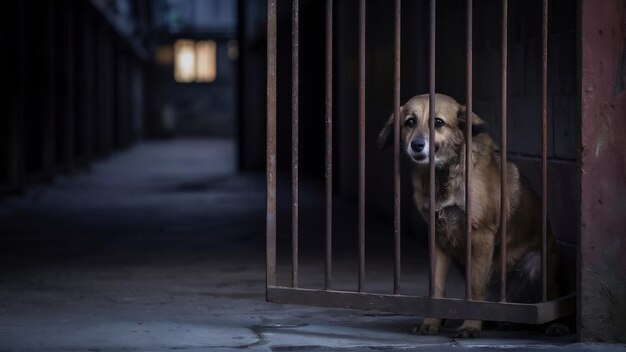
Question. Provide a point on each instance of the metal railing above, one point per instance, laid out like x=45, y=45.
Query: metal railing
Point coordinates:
x=532, y=313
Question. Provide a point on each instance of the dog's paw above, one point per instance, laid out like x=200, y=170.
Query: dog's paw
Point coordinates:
x=467, y=333
x=427, y=329
x=557, y=329
x=430, y=326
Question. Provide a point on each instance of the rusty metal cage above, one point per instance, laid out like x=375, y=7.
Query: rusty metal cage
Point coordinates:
x=395, y=301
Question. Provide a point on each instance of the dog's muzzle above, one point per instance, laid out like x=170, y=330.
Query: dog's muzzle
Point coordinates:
x=418, y=150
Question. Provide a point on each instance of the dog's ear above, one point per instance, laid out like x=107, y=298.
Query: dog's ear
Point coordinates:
x=386, y=134
x=478, y=125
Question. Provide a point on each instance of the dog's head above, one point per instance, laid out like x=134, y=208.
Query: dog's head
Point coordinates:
x=450, y=124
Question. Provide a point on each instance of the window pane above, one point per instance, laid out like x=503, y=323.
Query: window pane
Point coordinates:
x=185, y=61
x=206, y=61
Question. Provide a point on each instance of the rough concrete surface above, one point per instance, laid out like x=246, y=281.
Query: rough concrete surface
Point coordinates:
x=602, y=298
x=160, y=249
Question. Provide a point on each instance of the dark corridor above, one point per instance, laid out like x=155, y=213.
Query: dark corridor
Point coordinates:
x=122, y=183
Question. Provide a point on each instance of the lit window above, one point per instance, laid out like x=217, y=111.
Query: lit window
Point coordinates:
x=195, y=61
x=185, y=61
x=205, y=63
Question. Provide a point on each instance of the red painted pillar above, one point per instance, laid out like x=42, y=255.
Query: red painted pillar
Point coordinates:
x=602, y=260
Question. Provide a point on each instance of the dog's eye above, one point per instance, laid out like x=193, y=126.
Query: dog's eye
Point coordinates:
x=439, y=122
x=410, y=123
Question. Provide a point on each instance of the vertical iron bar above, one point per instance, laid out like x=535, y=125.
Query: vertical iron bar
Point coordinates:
x=544, y=147
x=504, y=199
x=294, y=140
x=270, y=245
x=361, y=144
x=69, y=137
x=431, y=153
x=396, y=150
x=51, y=118
x=468, y=157
x=329, y=143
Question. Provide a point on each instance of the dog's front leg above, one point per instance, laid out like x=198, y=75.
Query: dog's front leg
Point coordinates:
x=432, y=326
x=482, y=253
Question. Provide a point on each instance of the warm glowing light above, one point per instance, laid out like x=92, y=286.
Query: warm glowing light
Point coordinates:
x=184, y=61
x=206, y=65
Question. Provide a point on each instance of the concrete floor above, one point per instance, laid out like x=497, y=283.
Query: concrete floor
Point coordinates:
x=161, y=248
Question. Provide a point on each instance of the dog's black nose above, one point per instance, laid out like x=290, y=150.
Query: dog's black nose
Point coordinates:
x=418, y=144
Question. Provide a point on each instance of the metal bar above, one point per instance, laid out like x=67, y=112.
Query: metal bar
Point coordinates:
x=15, y=121
x=431, y=153
x=107, y=89
x=88, y=84
x=544, y=148
x=468, y=158
x=396, y=150
x=69, y=118
x=361, y=144
x=52, y=74
x=270, y=245
x=504, y=199
x=453, y=308
x=294, y=140
x=329, y=143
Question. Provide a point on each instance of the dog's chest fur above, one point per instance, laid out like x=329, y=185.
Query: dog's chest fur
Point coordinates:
x=449, y=207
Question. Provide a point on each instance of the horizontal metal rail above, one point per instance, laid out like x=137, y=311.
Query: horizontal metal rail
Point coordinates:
x=452, y=308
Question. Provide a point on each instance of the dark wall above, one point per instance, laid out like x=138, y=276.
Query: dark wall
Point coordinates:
x=252, y=33
x=523, y=95
x=252, y=36
x=75, y=90
x=524, y=116
x=379, y=99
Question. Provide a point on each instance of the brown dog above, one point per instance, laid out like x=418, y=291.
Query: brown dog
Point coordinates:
x=523, y=247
